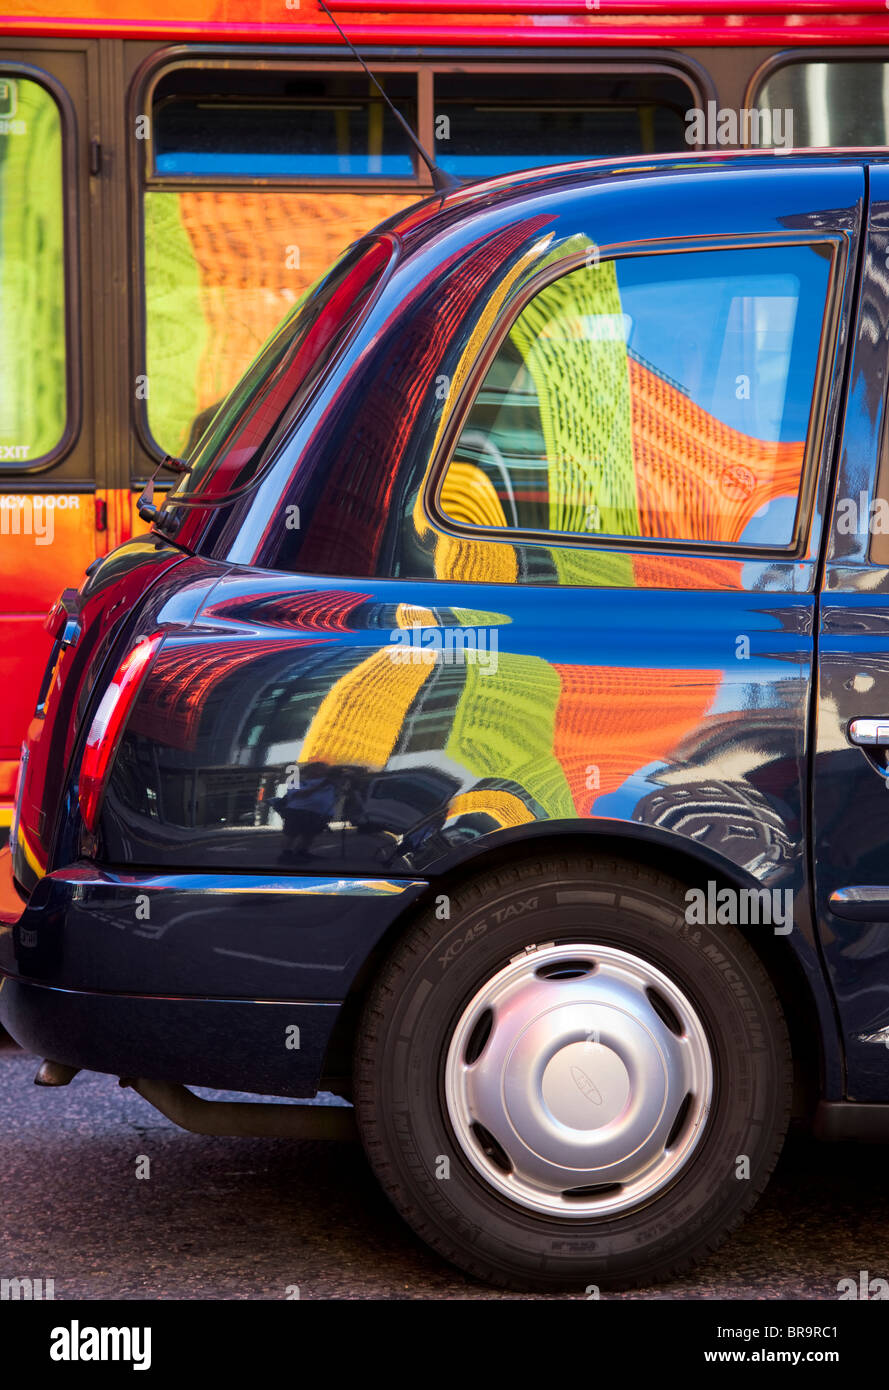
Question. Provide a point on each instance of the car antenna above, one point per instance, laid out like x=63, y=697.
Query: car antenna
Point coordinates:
x=442, y=182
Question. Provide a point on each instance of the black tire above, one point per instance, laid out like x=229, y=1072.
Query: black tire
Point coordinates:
x=411, y=1014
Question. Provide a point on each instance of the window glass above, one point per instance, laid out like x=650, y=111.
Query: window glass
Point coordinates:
x=234, y=446
x=222, y=268
x=488, y=124
x=33, y=397
x=841, y=102
x=269, y=123
x=653, y=397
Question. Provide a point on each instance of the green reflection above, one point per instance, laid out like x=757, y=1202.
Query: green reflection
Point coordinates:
x=176, y=329
x=33, y=405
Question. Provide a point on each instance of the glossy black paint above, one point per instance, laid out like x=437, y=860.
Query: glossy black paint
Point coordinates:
x=850, y=786
x=106, y=609
x=617, y=711
x=229, y=1044
x=88, y=929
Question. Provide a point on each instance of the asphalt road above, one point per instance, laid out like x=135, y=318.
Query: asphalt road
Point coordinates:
x=249, y=1218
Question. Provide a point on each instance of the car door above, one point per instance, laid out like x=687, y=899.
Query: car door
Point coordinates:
x=851, y=730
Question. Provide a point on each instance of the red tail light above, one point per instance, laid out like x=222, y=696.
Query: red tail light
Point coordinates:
x=108, y=726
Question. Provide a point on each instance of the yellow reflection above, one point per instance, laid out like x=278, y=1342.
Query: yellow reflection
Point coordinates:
x=503, y=807
x=360, y=718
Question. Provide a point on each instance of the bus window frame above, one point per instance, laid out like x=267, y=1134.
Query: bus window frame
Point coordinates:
x=70, y=272
x=423, y=65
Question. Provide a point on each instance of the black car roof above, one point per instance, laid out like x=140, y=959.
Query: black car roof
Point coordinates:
x=481, y=194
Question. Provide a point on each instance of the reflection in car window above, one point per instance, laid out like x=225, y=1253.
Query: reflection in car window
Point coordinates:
x=658, y=397
x=235, y=444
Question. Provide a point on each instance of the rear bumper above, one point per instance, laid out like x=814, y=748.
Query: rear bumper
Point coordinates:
x=188, y=977
x=228, y=1044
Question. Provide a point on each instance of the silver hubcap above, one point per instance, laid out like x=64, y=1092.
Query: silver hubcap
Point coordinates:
x=578, y=1080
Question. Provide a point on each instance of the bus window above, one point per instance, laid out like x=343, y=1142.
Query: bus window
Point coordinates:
x=33, y=396
x=223, y=265
x=222, y=268
x=282, y=125
x=488, y=124
x=841, y=102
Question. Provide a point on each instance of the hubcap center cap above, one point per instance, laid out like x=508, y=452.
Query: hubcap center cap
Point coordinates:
x=585, y=1085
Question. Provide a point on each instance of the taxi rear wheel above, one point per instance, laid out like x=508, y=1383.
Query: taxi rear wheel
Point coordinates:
x=565, y=1085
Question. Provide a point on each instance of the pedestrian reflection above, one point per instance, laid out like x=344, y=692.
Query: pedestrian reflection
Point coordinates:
x=306, y=807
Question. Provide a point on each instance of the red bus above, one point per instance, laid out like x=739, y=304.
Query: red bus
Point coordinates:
x=170, y=186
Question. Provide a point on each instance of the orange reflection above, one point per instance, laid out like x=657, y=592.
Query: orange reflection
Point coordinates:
x=612, y=721
x=697, y=478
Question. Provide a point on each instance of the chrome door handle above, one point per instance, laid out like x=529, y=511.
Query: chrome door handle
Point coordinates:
x=869, y=733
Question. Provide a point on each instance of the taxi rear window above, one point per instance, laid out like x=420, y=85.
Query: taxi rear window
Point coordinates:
x=241, y=435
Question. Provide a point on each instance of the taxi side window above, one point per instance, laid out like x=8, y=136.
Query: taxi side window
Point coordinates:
x=656, y=397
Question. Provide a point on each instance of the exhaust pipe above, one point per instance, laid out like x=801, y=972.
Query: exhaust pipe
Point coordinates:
x=239, y=1119
x=54, y=1073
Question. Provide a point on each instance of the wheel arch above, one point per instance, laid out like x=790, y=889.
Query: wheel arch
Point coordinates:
x=811, y=1022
